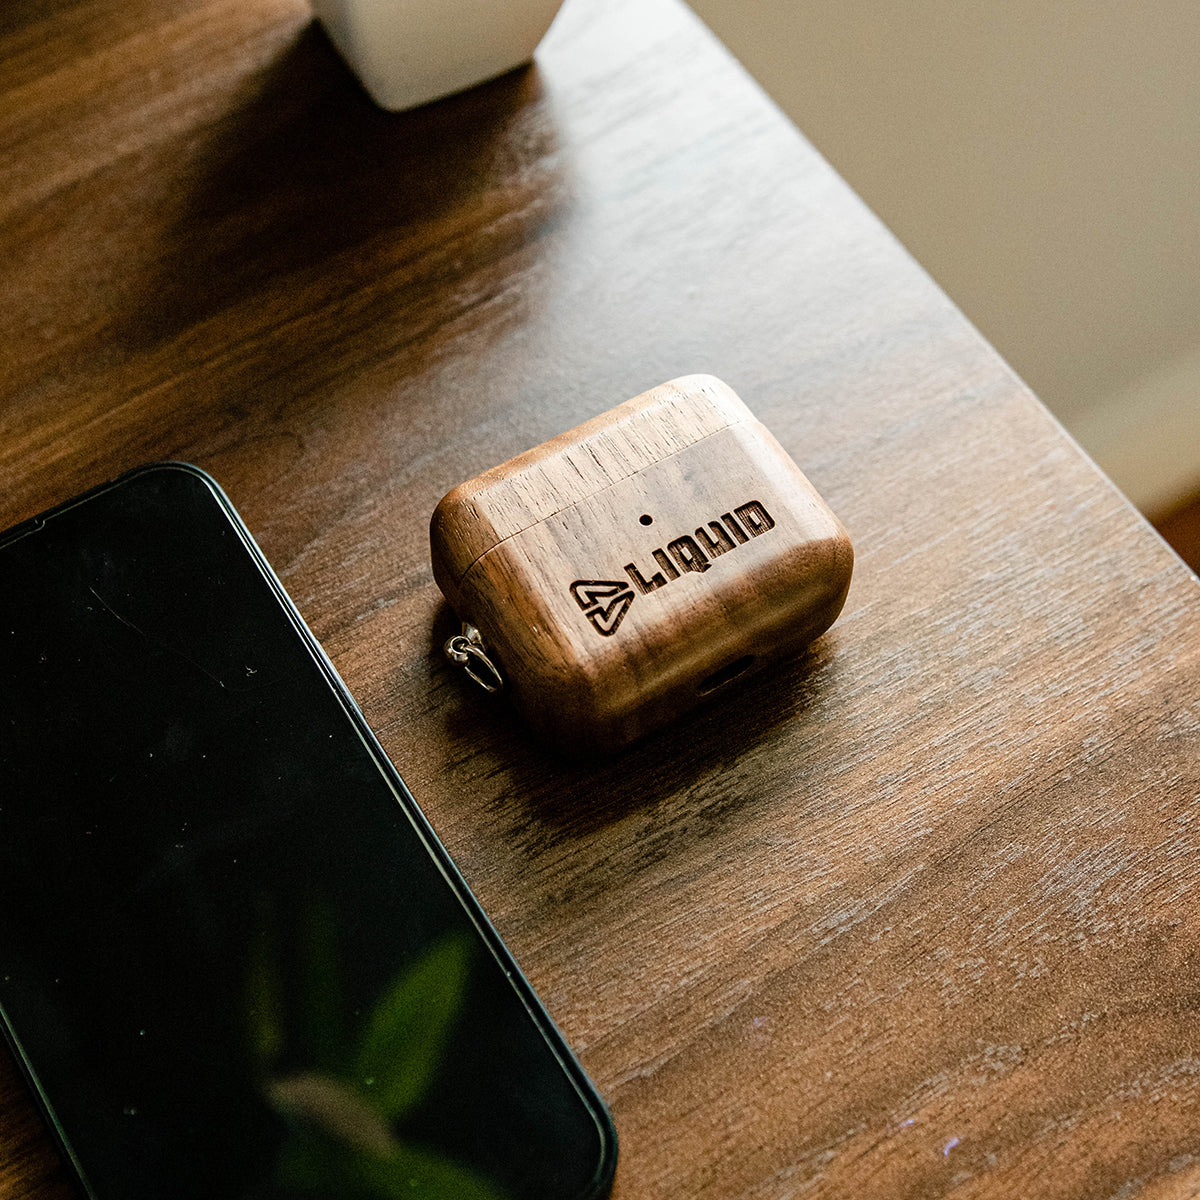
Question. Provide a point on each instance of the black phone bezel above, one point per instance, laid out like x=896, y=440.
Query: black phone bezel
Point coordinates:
x=601, y=1182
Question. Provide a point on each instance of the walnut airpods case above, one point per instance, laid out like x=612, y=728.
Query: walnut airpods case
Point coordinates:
x=640, y=563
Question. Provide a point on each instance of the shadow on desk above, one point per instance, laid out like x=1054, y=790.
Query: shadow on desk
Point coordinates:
x=305, y=212
x=718, y=739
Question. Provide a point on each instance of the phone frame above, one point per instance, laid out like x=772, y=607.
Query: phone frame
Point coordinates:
x=601, y=1182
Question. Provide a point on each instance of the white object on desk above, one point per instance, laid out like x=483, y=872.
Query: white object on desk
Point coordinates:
x=407, y=52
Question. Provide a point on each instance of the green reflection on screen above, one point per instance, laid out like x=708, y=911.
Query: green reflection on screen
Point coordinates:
x=345, y=1115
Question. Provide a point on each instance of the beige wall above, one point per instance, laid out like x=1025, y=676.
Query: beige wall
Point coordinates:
x=1041, y=158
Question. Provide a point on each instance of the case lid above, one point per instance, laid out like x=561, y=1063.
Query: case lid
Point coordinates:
x=479, y=514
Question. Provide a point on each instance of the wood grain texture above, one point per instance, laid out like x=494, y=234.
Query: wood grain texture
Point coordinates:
x=919, y=915
x=678, y=496
x=504, y=500
x=1180, y=528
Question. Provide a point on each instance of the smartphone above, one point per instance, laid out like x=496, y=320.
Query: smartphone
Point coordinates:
x=235, y=961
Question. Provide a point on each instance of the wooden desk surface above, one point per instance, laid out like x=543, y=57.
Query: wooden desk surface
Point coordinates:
x=915, y=916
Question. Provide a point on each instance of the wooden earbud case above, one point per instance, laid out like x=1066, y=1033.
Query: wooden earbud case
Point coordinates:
x=628, y=569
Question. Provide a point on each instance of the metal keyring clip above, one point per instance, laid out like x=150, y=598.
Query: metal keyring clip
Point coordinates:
x=467, y=650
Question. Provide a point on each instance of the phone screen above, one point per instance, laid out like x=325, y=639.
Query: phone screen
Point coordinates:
x=234, y=961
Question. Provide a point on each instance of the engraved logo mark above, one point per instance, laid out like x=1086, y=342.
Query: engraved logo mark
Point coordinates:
x=604, y=602
x=688, y=553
